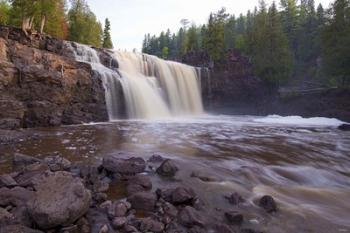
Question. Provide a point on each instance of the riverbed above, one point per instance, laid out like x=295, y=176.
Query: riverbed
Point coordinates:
x=303, y=163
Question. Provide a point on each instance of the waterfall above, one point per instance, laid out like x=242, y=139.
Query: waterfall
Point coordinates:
x=147, y=86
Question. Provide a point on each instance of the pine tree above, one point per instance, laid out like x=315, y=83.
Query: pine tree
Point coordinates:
x=107, y=41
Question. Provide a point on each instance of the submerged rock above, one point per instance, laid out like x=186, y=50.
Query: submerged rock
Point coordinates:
x=124, y=166
x=143, y=201
x=167, y=168
x=268, y=204
x=234, y=218
x=344, y=127
x=57, y=163
x=138, y=183
x=60, y=199
x=21, y=160
x=190, y=217
x=235, y=199
x=182, y=195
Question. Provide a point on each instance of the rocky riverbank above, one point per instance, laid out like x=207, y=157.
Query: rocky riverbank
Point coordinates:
x=53, y=194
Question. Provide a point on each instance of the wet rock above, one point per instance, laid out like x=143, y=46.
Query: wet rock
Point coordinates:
x=100, y=197
x=168, y=168
x=130, y=228
x=235, y=199
x=248, y=230
x=143, y=201
x=222, y=228
x=190, y=217
x=83, y=225
x=119, y=222
x=148, y=224
x=97, y=219
x=344, y=127
x=57, y=163
x=60, y=199
x=17, y=229
x=7, y=181
x=234, y=218
x=203, y=176
x=32, y=177
x=104, y=229
x=139, y=183
x=183, y=196
x=121, y=208
x=21, y=160
x=124, y=166
x=17, y=196
x=268, y=204
x=5, y=217
x=197, y=229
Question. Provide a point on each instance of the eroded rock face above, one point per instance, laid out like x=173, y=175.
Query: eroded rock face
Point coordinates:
x=42, y=85
x=60, y=199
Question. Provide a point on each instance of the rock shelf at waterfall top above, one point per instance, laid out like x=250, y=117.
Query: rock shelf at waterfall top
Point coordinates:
x=56, y=195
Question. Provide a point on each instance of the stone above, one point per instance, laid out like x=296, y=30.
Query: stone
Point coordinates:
x=124, y=166
x=17, y=196
x=17, y=229
x=183, y=196
x=21, y=160
x=203, y=176
x=57, y=163
x=143, y=201
x=104, y=229
x=120, y=209
x=150, y=225
x=7, y=181
x=190, y=217
x=344, y=127
x=119, y=222
x=197, y=229
x=268, y=204
x=5, y=216
x=138, y=183
x=235, y=199
x=97, y=219
x=222, y=228
x=156, y=159
x=168, y=168
x=234, y=218
x=60, y=199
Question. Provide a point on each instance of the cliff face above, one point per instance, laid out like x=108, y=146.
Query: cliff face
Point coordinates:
x=42, y=85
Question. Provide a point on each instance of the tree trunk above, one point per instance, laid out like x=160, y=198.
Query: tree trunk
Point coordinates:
x=25, y=24
x=42, y=24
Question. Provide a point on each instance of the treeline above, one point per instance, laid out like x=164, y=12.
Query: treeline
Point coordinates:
x=295, y=39
x=53, y=17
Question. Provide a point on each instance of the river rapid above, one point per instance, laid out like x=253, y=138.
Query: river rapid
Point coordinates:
x=303, y=163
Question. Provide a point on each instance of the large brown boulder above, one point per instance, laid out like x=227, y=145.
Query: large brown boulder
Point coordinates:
x=60, y=200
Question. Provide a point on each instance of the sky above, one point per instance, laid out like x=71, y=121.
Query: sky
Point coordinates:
x=132, y=19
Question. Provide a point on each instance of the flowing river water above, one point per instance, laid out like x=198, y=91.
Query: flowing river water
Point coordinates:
x=303, y=164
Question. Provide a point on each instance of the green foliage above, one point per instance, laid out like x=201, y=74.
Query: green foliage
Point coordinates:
x=336, y=41
x=165, y=52
x=84, y=27
x=107, y=40
x=4, y=12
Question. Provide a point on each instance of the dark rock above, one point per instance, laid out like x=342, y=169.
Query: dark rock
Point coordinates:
x=7, y=181
x=183, y=196
x=190, y=217
x=17, y=229
x=223, y=228
x=344, y=127
x=17, y=196
x=57, y=163
x=150, y=225
x=235, y=199
x=60, y=199
x=124, y=166
x=119, y=222
x=20, y=160
x=197, y=229
x=121, y=208
x=143, y=201
x=203, y=176
x=167, y=168
x=100, y=197
x=83, y=225
x=234, y=218
x=248, y=230
x=130, y=228
x=268, y=204
x=5, y=217
x=139, y=183
x=97, y=220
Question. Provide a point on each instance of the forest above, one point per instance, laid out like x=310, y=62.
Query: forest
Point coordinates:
x=286, y=43
x=78, y=23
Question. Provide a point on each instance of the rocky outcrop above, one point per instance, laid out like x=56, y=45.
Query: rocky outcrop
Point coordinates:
x=42, y=85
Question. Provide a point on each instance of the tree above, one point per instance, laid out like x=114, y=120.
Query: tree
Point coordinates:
x=56, y=20
x=107, y=41
x=192, y=42
x=4, y=12
x=335, y=43
x=23, y=13
x=165, y=52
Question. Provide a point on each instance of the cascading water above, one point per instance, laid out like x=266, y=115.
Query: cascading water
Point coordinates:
x=151, y=87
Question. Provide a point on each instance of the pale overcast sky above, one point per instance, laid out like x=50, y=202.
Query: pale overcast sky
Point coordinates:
x=132, y=19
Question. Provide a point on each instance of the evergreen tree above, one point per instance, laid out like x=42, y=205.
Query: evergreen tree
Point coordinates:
x=107, y=41
x=192, y=42
x=335, y=43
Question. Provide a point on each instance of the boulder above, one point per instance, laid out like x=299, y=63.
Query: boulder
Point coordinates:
x=143, y=201
x=139, y=183
x=124, y=166
x=17, y=196
x=190, y=217
x=168, y=168
x=60, y=199
x=7, y=181
x=21, y=160
x=183, y=196
x=234, y=218
x=150, y=225
x=17, y=229
x=57, y=163
x=268, y=204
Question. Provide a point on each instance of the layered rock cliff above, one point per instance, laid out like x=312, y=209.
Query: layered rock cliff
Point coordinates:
x=41, y=84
